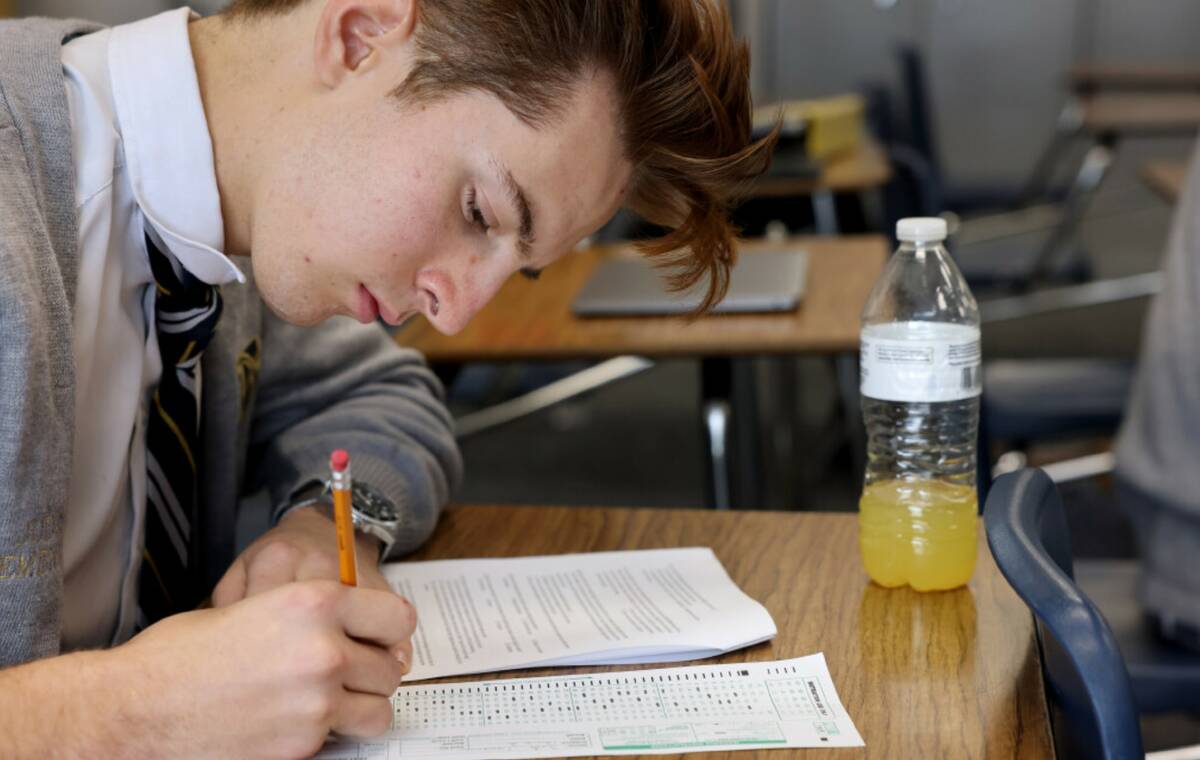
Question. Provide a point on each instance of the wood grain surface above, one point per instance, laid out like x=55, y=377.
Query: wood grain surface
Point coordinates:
x=943, y=675
x=864, y=169
x=1142, y=113
x=1134, y=77
x=1165, y=178
x=533, y=319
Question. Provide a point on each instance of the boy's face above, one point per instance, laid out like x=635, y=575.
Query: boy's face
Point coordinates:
x=371, y=208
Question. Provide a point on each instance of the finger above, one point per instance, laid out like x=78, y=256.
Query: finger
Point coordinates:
x=371, y=670
x=377, y=616
x=363, y=715
x=270, y=567
x=232, y=586
x=403, y=652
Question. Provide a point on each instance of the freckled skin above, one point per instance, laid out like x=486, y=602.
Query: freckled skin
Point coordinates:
x=373, y=192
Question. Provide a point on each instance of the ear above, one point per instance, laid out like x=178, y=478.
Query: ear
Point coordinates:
x=352, y=35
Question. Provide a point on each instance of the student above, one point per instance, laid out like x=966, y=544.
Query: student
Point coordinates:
x=369, y=159
x=1158, y=448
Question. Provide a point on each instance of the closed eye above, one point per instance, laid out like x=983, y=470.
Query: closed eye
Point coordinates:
x=474, y=214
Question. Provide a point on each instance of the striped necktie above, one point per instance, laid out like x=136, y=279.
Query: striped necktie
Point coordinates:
x=186, y=313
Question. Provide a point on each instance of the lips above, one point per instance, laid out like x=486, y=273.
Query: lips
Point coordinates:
x=388, y=315
x=370, y=308
x=367, y=308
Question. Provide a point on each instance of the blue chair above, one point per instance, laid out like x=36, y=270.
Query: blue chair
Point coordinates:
x=1091, y=698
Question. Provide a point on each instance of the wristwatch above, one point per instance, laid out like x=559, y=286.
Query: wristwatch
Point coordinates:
x=373, y=513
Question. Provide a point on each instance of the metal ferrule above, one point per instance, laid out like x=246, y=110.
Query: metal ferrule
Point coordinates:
x=340, y=481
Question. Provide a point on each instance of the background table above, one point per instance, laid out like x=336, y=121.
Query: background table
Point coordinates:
x=1105, y=118
x=532, y=320
x=855, y=172
x=1090, y=77
x=1142, y=113
x=1165, y=178
x=864, y=168
x=942, y=675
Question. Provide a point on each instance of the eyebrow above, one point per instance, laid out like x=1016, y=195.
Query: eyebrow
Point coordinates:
x=516, y=194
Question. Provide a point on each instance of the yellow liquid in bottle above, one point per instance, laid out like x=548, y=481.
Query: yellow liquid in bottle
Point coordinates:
x=918, y=532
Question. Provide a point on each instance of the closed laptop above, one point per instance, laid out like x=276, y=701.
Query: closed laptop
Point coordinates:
x=761, y=281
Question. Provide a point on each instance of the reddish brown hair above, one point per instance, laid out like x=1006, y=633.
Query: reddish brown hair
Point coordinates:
x=682, y=83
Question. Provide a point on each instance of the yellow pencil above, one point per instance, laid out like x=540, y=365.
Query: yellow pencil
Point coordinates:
x=339, y=465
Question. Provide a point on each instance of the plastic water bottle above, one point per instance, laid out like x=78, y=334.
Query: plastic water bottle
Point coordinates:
x=920, y=382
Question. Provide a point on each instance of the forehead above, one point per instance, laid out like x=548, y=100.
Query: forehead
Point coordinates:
x=573, y=168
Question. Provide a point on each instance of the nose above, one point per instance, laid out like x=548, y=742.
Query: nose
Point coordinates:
x=452, y=300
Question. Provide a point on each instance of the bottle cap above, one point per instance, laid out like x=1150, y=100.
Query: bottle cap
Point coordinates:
x=921, y=229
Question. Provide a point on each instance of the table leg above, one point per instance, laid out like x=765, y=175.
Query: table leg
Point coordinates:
x=715, y=416
x=1070, y=120
x=1095, y=166
x=856, y=435
x=789, y=471
x=729, y=416
x=825, y=212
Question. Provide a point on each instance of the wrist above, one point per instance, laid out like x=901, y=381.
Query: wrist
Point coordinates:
x=143, y=708
x=373, y=514
x=53, y=708
x=368, y=547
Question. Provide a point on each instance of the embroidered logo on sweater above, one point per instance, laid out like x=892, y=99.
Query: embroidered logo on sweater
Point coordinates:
x=35, y=552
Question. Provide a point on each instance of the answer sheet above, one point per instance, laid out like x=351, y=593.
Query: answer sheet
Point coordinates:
x=704, y=708
x=603, y=608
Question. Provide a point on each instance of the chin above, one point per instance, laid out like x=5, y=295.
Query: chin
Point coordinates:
x=290, y=301
x=295, y=311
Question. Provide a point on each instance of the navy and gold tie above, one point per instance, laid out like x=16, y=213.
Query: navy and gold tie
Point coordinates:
x=186, y=313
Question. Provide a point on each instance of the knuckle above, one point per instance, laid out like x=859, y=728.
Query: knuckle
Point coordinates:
x=322, y=565
x=278, y=553
x=326, y=658
x=405, y=616
x=317, y=598
x=319, y=710
x=395, y=673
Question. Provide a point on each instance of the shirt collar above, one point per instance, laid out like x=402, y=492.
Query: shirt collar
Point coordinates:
x=168, y=150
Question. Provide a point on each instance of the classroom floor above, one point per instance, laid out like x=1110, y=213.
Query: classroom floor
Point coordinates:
x=638, y=442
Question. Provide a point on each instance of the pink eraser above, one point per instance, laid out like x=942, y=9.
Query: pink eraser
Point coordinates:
x=339, y=460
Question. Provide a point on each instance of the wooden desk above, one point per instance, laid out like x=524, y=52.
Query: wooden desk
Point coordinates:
x=1165, y=178
x=946, y=675
x=1092, y=77
x=533, y=320
x=1128, y=114
x=1106, y=119
x=865, y=169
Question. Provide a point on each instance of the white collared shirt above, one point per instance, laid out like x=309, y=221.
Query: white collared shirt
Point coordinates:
x=142, y=156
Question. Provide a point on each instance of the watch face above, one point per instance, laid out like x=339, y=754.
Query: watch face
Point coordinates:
x=372, y=504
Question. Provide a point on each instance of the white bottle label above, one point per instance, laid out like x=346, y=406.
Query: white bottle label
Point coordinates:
x=920, y=361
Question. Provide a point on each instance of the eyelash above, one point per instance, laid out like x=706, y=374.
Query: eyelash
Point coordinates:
x=480, y=223
x=474, y=212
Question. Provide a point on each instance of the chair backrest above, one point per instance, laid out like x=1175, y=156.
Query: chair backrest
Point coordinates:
x=1086, y=682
